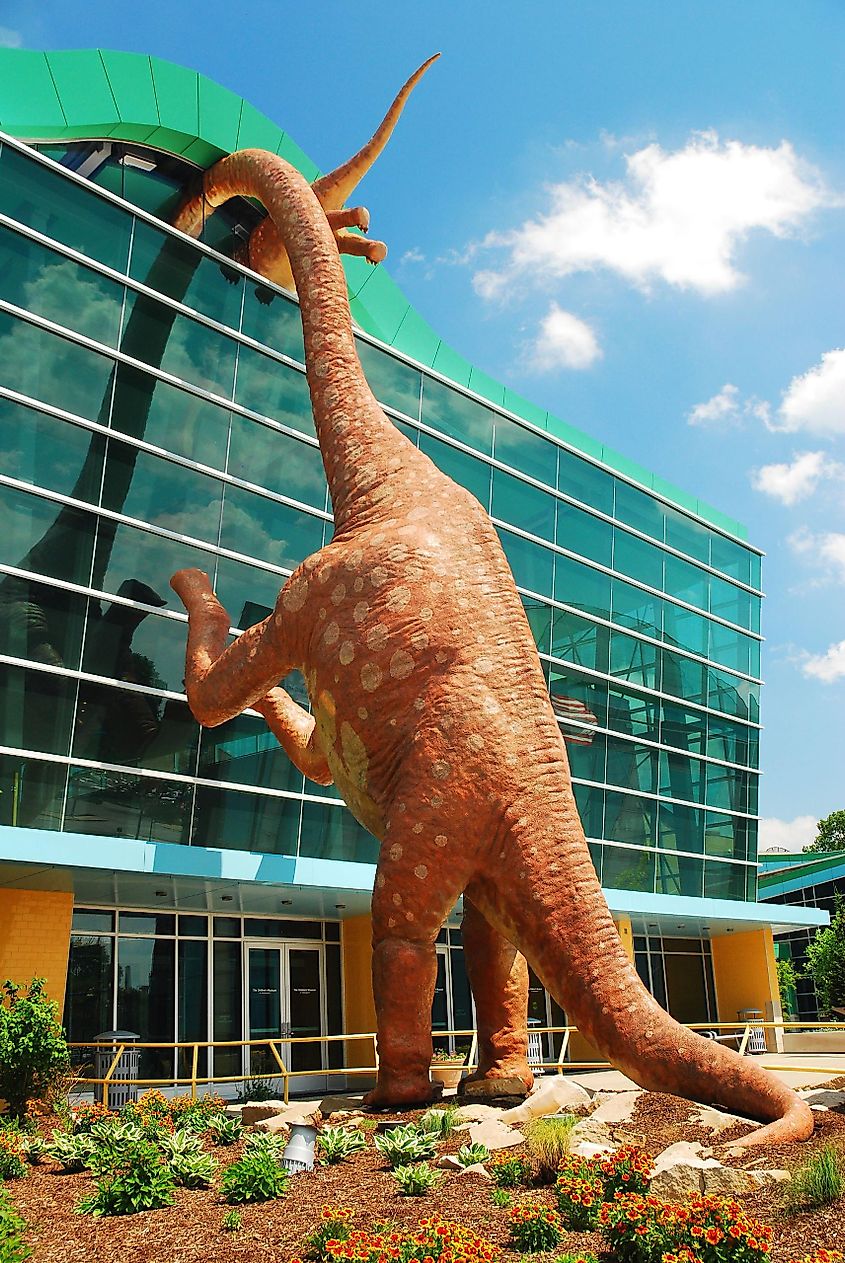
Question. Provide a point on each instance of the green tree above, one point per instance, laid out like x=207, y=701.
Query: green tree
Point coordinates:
x=788, y=976
x=826, y=962
x=830, y=833
x=33, y=1049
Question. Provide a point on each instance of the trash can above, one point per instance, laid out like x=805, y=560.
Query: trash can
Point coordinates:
x=115, y=1095
x=757, y=1038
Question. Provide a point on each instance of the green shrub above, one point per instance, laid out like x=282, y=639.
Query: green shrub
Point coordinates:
x=819, y=1181
x=335, y=1225
x=510, y=1170
x=416, y=1180
x=576, y=1258
x=337, y=1143
x=273, y=1143
x=548, y=1141
x=13, y=1249
x=193, y=1170
x=535, y=1227
x=469, y=1155
x=138, y=1179
x=32, y=1148
x=405, y=1144
x=71, y=1152
x=225, y=1130
x=501, y=1197
x=12, y=1157
x=180, y=1144
x=33, y=1049
x=256, y=1178
x=438, y=1122
x=232, y=1221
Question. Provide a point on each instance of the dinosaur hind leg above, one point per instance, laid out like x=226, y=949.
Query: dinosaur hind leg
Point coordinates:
x=498, y=977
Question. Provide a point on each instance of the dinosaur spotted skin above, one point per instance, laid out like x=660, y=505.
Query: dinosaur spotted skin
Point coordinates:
x=432, y=716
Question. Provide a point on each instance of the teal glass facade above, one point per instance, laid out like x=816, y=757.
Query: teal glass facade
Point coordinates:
x=154, y=414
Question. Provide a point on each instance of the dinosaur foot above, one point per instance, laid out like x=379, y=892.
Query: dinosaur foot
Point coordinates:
x=506, y=1077
x=191, y=585
x=402, y=1094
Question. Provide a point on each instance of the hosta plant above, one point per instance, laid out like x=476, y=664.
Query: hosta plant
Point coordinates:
x=32, y=1148
x=225, y=1130
x=470, y=1155
x=335, y=1225
x=256, y=1178
x=71, y=1152
x=416, y=1180
x=438, y=1122
x=404, y=1144
x=510, y=1171
x=193, y=1170
x=138, y=1180
x=179, y=1144
x=337, y=1143
x=273, y=1143
x=535, y=1227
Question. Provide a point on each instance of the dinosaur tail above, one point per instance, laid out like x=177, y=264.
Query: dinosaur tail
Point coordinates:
x=337, y=186
x=556, y=914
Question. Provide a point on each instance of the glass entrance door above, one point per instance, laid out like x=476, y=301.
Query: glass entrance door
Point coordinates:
x=284, y=998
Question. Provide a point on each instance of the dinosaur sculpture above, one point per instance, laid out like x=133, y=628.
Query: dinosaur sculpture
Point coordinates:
x=431, y=715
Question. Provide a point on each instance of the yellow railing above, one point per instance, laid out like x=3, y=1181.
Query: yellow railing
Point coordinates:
x=739, y=1032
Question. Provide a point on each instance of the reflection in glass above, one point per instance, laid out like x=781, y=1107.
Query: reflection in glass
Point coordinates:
x=520, y=504
x=193, y=1003
x=170, y=417
x=457, y=416
x=332, y=833
x=584, y=534
x=624, y=868
x=277, y=533
x=227, y=983
x=31, y=792
x=49, y=453
x=125, y=553
x=118, y=804
x=207, y=285
x=273, y=320
x=136, y=729
x=161, y=493
x=245, y=752
x=272, y=389
x=472, y=474
x=277, y=461
x=145, y=998
x=526, y=451
x=90, y=985
x=585, y=482
x=394, y=384
x=532, y=565
x=49, y=538
x=36, y=709
x=53, y=369
x=239, y=821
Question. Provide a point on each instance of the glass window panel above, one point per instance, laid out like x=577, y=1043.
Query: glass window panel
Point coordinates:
x=631, y=766
x=267, y=530
x=584, y=534
x=634, y=557
x=471, y=473
x=637, y=609
x=227, y=927
x=683, y=728
x=245, y=752
x=193, y=1003
x=727, y=788
x=145, y=998
x=274, y=390
x=161, y=493
x=520, y=504
x=31, y=792
x=733, y=696
x=48, y=453
x=181, y=271
x=639, y=509
x=634, y=660
x=457, y=416
x=394, y=383
x=585, y=482
x=54, y=369
x=277, y=927
x=90, y=988
x=36, y=710
x=32, y=193
x=245, y=822
x=755, y=564
x=630, y=818
x=92, y=921
x=596, y=854
x=127, y=644
x=40, y=622
x=628, y=869
x=590, y=804
x=581, y=641
x=683, y=677
x=137, y=564
x=681, y=828
x=53, y=286
x=684, y=628
x=687, y=993
x=193, y=352
x=726, y=836
x=117, y=804
x=586, y=761
x=146, y=923
x=539, y=617
x=687, y=536
x=686, y=582
x=333, y=833
x=729, y=602
x=168, y=417
x=276, y=461
x=526, y=451
x=581, y=586
x=193, y=927
x=249, y=594
x=50, y=538
x=566, y=683
x=273, y=320
x=227, y=1006
x=724, y=881
x=734, y=560
x=682, y=777
x=632, y=713
x=136, y=729
x=730, y=648
x=532, y=565
x=679, y=875
x=726, y=740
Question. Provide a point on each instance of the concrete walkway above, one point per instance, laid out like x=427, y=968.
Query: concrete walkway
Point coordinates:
x=810, y=1070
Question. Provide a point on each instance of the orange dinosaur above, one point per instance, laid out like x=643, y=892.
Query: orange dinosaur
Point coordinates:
x=431, y=715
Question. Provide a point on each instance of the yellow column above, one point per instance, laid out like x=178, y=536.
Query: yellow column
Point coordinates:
x=745, y=975
x=35, y=937
x=356, y=947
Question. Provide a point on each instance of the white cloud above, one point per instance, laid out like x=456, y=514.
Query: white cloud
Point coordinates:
x=728, y=406
x=815, y=401
x=786, y=835
x=828, y=666
x=796, y=480
x=563, y=341
x=414, y=255
x=826, y=549
x=677, y=216
x=10, y=38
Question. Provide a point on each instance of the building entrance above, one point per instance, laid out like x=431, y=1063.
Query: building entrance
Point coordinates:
x=284, y=998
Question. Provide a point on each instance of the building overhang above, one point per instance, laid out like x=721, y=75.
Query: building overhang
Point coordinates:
x=676, y=915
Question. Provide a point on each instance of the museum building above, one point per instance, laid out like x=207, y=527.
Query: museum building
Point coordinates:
x=189, y=884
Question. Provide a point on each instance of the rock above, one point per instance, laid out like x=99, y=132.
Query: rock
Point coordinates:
x=729, y=1181
x=341, y=1104
x=828, y=1097
x=449, y=1162
x=615, y=1108
x=342, y=1117
x=256, y=1111
x=305, y=1113
x=589, y=1137
x=687, y=1167
x=821, y=1109
x=495, y=1134
x=275, y=1126
x=478, y=1113
x=716, y=1121
x=512, y=1091
x=556, y=1094
x=478, y=1169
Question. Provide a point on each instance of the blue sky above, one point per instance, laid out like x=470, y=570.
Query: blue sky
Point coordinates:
x=634, y=214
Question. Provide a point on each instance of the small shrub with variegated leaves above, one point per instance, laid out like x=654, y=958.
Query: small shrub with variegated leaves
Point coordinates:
x=193, y=1170
x=416, y=1180
x=139, y=1179
x=256, y=1178
x=179, y=1144
x=535, y=1228
x=404, y=1144
x=225, y=1130
x=471, y=1155
x=32, y=1148
x=270, y=1142
x=72, y=1153
x=337, y=1143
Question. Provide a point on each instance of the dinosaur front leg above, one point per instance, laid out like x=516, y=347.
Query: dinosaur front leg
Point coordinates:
x=349, y=217
x=363, y=247
x=296, y=733
x=498, y=976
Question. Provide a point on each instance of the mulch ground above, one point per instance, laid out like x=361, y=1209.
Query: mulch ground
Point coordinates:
x=274, y=1232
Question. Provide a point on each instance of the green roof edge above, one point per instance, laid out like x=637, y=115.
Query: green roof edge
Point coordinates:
x=76, y=94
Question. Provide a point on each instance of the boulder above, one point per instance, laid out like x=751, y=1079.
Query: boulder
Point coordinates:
x=305, y=1113
x=716, y=1121
x=449, y=1162
x=687, y=1167
x=512, y=1091
x=556, y=1094
x=256, y=1111
x=828, y=1097
x=479, y=1113
x=614, y=1108
x=478, y=1169
x=495, y=1134
x=589, y=1137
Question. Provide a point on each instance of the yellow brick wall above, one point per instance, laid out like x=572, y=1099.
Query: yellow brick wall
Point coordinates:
x=35, y=937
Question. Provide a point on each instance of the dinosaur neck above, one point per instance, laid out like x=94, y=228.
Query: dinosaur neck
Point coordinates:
x=358, y=444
